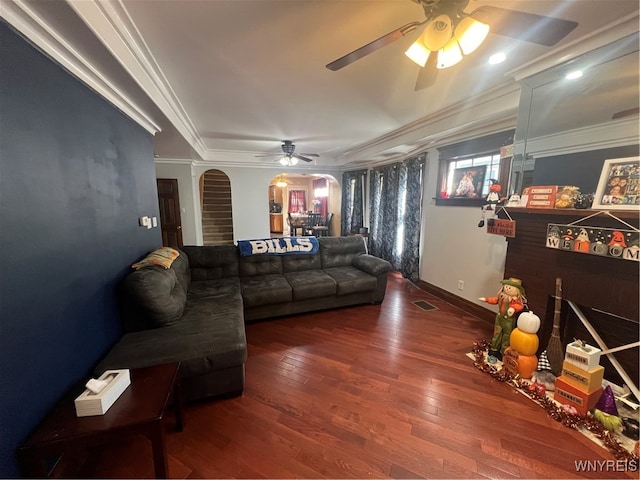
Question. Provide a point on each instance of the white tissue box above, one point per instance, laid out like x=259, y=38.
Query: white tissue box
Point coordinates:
x=89, y=403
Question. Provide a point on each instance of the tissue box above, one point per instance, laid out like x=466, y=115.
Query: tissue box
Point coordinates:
x=586, y=357
x=89, y=403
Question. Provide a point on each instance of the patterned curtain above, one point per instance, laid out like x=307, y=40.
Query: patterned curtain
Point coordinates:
x=396, y=212
x=352, y=213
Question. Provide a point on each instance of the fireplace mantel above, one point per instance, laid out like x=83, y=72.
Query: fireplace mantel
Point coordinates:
x=602, y=283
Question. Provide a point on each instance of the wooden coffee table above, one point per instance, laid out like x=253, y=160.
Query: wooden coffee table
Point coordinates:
x=139, y=410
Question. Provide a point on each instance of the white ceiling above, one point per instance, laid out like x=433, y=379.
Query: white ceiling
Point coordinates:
x=226, y=80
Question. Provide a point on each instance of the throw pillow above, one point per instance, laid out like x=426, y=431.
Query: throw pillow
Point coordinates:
x=162, y=257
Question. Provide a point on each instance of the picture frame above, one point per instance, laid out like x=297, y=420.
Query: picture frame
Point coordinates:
x=619, y=185
x=468, y=182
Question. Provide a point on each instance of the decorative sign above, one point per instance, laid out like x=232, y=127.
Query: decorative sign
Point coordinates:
x=498, y=226
x=606, y=242
x=279, y=246
x=541, y=196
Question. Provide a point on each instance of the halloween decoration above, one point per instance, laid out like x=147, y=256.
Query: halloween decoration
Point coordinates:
x=565, y=415
x=543, y=373
x=510, y=301
x=555, y=353
x=606, y=411
x=492, y=199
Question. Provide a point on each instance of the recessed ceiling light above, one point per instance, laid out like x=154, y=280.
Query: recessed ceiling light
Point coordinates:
x=497, y=58
x=573, y=75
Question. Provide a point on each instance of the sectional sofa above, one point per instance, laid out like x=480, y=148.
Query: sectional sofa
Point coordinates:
x=194, y=312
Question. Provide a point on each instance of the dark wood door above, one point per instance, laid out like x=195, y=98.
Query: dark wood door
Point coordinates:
x=169, y=212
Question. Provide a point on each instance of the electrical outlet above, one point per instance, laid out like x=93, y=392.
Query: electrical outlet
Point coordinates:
x=460, y=284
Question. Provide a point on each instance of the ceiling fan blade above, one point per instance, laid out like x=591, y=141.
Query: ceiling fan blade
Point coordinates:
x=529, y=27
x=310, y=154
x=371, y=47
x=300, y=157
x=269, y=155
x=428, y=74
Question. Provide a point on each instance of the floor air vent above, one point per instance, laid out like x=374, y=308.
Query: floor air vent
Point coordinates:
x=424, y=305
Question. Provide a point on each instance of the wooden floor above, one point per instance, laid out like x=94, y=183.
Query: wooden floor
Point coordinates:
x=365, y=392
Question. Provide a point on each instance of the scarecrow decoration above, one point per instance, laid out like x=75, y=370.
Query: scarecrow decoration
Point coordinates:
x=510, y=301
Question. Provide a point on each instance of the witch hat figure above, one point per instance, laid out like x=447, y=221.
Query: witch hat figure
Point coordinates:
x=543, y=373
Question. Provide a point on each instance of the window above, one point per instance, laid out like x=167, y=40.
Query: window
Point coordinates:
x=467, y=168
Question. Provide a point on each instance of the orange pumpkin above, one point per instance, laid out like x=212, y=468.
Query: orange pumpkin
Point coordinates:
x=524, y=343
x=525, y=365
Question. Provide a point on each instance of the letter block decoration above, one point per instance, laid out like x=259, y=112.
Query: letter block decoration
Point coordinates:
x=566, y=393
x=586, y=380
x=583, y=355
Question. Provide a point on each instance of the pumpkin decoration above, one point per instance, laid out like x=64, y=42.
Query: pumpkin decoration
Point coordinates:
x=525, y=365
x=529, y=322
x=524, y=343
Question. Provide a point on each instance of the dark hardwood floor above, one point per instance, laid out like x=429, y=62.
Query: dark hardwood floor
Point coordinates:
x=365, y=392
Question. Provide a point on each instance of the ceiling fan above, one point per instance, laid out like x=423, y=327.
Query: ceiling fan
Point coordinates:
x=290, y=158
x=446, y=27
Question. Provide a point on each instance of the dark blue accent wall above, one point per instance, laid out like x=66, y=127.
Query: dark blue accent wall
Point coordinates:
x=75, y=175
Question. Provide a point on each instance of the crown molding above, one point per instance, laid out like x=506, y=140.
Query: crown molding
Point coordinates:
x=490, y=112
x=35, y=28
x=600, y=37
x=595, y=137
x=111, y=24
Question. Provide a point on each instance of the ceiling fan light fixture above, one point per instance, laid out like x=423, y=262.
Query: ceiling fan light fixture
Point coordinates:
x=418, y=53
x=281, y=182
x=470, y=33
x=437, y=33
x=288, y=161
x=449, y=55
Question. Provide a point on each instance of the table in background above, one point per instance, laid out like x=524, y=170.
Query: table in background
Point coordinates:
x=139, y=410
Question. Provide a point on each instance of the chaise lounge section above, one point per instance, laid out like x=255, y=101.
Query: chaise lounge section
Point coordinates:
x=194, y=312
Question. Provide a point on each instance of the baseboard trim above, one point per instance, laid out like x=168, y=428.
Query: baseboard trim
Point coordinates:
x=459, y=302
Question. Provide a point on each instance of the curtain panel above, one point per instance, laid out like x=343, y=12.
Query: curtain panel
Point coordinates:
x=396, y=212
x=320, y=203
x=352, y=211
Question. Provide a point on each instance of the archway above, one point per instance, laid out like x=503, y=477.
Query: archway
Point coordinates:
x=215, y=204
x=293, y=195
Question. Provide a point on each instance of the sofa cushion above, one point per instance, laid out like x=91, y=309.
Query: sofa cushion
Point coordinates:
x=211, y=262
x=158, y=295
x=351, y=280
x=265, y=290
x=298, y=263
x=260, y=265
x=214, y=288
x=340, y=251
x=311, y=284
x=211, y=336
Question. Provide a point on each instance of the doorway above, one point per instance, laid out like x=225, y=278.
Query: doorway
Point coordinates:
x=215, y=204
x=169, y=206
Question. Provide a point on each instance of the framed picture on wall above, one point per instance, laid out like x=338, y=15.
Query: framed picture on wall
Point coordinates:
x=619, y=185
x=468, y=182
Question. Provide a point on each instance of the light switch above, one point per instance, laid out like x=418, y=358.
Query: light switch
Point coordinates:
x=154, y=222
x=143, y=221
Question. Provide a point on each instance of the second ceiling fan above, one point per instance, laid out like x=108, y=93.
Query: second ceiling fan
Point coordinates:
x=450, y=33
x=290, y=158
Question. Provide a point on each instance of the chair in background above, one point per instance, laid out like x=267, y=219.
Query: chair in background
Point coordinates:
x=323, y=228
x=312, y=221
x=295, y=225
